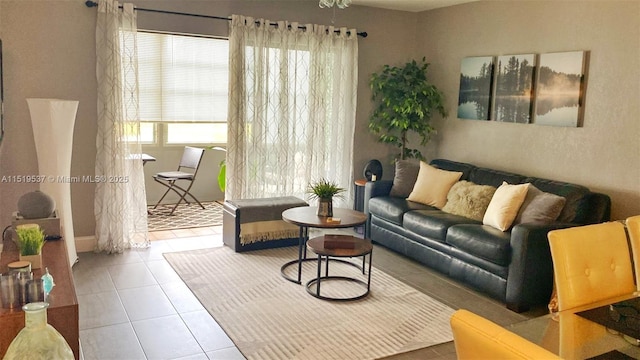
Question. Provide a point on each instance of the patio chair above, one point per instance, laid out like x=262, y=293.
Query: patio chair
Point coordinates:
x=185, y=176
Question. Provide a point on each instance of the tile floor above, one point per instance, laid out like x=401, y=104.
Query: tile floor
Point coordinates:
x=134, y=306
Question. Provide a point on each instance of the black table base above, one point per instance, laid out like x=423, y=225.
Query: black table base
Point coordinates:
x=319, y=279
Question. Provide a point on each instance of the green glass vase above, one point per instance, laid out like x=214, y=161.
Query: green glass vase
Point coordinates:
x=38, y=339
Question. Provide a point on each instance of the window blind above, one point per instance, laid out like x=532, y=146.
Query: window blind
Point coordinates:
x=182, y=78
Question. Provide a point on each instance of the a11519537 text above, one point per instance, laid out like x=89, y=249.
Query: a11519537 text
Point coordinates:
x=37, y=179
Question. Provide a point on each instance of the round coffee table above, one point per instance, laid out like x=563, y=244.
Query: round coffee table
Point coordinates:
x=339, y=246
x=305, y=217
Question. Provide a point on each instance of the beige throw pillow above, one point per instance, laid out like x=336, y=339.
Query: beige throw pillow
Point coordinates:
x=504, y=205
x=469, y=199
x=432, y=185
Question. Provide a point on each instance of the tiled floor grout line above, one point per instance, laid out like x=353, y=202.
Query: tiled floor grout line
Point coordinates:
x=164, y=291
x=186, y=241
x=178, y=313
x=169, y=246
x=181, y=314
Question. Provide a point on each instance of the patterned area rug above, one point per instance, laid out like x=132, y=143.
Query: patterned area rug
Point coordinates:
x=268, y=317
x=186, y=216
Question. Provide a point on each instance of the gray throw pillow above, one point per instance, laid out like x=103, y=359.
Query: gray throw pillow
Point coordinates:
x=404, y=178
x=540, y=207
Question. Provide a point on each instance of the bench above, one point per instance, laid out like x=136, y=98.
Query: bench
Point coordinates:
x=254, y=224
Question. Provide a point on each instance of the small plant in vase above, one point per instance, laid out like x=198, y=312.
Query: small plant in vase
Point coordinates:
x=30, y=243
x=324, y=190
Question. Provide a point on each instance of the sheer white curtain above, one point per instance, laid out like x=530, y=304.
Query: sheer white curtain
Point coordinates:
x=292, y=108
x=120, y=198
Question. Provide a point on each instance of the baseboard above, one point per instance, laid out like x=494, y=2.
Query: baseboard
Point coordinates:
x=85, y=243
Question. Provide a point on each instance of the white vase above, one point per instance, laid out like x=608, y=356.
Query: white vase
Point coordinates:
x=53, y=122
x=38, y=339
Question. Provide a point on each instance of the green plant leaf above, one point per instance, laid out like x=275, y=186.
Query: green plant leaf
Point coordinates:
x=30, y=239
x=222, y=173
x=324, y=189
x=222, y=176
x=404, y=101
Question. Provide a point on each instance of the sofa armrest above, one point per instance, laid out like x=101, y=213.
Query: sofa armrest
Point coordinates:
x=597, y=209
x=530, y=279
x=374, y=189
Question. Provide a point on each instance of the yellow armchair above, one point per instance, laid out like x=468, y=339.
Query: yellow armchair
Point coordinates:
x=633, y=228
x=478, y=338
x=590, y=263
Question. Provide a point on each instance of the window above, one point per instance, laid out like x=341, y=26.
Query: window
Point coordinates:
x=183, y=86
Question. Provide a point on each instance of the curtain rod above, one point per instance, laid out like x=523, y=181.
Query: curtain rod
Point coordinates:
x=90, y=4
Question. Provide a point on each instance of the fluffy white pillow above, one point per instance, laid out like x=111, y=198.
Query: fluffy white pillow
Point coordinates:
x=433, y=185
x=504, y=205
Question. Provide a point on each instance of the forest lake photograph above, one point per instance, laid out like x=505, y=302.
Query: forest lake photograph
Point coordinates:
x=506, y=94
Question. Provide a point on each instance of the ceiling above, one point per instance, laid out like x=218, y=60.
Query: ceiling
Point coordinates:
x=410, y=5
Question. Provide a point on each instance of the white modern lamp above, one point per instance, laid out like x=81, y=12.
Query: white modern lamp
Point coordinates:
x=53, y=122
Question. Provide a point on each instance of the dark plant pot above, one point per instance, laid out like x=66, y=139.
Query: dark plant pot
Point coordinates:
x=325, y=207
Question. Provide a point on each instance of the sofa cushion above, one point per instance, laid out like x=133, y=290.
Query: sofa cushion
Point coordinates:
x=539, y=207
x=449, y=165
x=504, y=205
x=393, y=208
x=484, y=176
x=485, y=242
x=404, y=178
x=575, y=195
x=432, y=185
x=468, y=199
x=432, y=223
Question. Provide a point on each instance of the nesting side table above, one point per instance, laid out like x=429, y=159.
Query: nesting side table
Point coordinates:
x=305, y=217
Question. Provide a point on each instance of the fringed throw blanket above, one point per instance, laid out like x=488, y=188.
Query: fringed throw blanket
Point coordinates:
x=267, y=230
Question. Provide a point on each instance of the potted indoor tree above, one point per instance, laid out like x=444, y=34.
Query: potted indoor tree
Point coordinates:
x=324, y=190
x=30, y=242
x=406, y=102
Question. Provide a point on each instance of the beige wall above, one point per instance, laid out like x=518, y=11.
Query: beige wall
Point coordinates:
x=49, y=51
x=604, y=154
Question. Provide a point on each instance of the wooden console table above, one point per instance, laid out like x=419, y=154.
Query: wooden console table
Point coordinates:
x=62, y=313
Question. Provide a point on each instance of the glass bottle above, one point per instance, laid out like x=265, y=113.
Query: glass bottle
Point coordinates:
x=38, y=339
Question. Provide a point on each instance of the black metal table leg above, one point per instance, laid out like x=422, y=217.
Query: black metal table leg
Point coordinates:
x=319, y=273
x=302, y=256
x=369, y=276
